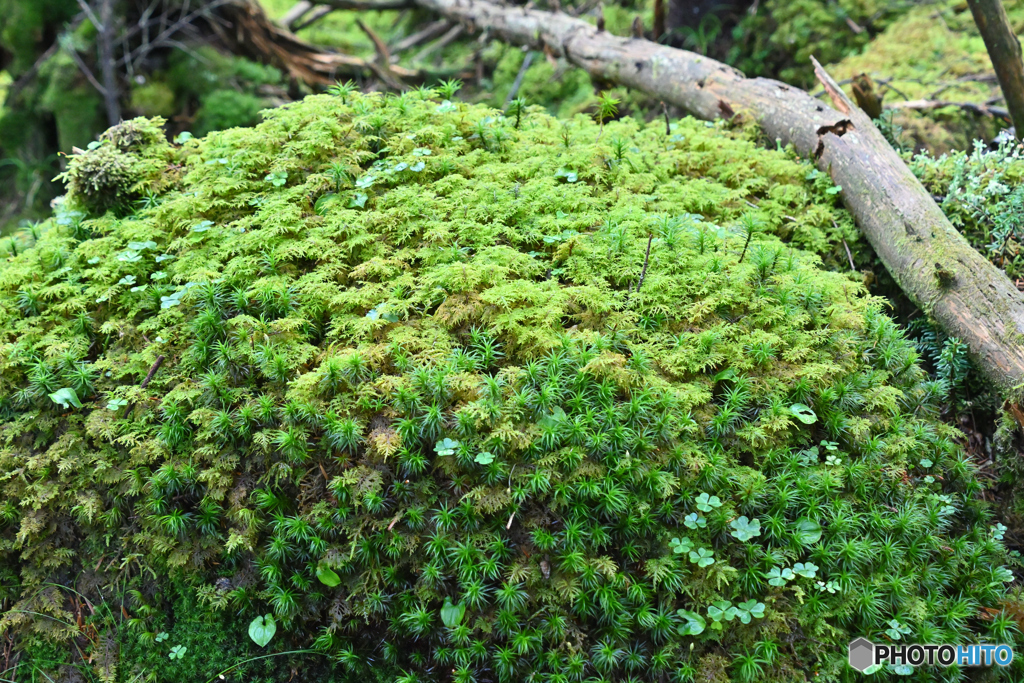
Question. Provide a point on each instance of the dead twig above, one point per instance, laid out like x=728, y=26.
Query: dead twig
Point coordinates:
x=152, y=371
x=429, y=32
x=928, y=105
x=514, y=90
x=453, y=33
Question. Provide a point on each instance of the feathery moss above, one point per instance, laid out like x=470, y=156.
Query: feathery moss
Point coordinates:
x=382, y=354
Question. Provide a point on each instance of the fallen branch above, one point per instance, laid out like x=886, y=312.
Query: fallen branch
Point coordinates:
x=429, y=32
x=932, y=262
x=310, y=19
x=929, y=105
x=366, y=5
x=293, y=16
x=253, y=34
x=450, y=35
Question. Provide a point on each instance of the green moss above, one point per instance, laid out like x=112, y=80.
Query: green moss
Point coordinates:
x=781, y=37
x=128, y=162
x=544, y=373
x=934, y=52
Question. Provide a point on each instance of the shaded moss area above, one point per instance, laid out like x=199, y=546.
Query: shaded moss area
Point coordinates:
x=586, y=384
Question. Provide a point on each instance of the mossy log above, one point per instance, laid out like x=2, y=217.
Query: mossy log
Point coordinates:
x=932, y=262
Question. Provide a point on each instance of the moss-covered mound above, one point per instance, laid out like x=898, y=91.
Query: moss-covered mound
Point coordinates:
x=460, y=396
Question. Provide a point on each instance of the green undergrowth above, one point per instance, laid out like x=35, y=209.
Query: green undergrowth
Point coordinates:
x=982, y=193
x=455, y=395
x=777, y=38
x=934, y=52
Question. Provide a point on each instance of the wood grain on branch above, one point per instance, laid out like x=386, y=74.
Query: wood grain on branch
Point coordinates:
x=913, y=238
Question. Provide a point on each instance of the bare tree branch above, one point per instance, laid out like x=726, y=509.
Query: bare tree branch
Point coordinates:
x=1004, y=49
x=453, y=33
x=429, y=32
x=106, y=45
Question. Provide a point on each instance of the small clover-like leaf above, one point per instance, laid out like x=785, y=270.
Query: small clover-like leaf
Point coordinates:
x=161, y=637
x=702, y=557
x=745, y=529
x=779, y=577
x=694, y=625
x=807, y=570
x=484, y=458
x=721, y=610
x=694, y=520
x=706, y=503
x=446, y=447
x=116, y=403
x=262, y=629
x=753, y=608
x=177, y=652
x=202, y=226
x=807, y=531
x=129, y=256
x=681, y=545
x=277, y=178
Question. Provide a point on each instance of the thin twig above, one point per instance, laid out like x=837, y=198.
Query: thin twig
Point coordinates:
x=429, y=32
x=514, y=90
x=849, y=255
x=647, y=258
x=91, y=14
x=152, y=371
x=295, y=14
x=453, y=33
x=313, y=17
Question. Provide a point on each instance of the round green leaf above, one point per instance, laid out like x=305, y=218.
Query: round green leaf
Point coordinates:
x=66, y=397
x=262, y=629
x=327, y=577
x=807, y=531
x=803, y=413
x=694, y=625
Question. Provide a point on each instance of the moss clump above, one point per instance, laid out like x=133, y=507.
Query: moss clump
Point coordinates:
x=403, y=359
x=128, y=162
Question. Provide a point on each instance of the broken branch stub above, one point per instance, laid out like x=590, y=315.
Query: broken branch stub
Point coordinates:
x=933, y=264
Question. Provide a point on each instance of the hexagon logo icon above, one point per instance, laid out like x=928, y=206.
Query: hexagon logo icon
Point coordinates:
x=862, y=654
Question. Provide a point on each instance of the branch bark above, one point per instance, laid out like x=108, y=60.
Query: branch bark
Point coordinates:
x=106, y=41
x=1004, y=50
x=926, y=256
